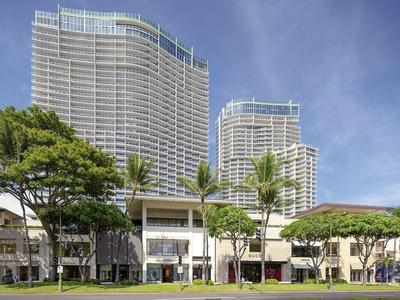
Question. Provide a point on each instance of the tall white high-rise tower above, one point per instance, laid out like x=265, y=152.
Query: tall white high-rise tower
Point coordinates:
x=126, y=85
x=250, y=127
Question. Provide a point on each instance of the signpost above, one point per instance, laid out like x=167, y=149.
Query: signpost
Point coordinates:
x=60, y=270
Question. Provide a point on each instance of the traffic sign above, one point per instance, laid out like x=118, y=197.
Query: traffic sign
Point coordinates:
x=60, y=269
x=180, y=270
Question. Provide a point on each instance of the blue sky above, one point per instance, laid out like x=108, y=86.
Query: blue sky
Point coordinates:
x=340, y=59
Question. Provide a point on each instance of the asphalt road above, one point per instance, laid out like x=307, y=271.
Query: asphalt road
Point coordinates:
x=214, y=296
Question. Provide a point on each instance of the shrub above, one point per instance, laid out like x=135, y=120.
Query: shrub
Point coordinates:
x=46, y=279
x=339, y=280
x=271, y=281
x=94, y=281
x=71, y=279
x=196, y=281
x=210, y=282
x=126, y=282
x=323, y=281
x=309, y=281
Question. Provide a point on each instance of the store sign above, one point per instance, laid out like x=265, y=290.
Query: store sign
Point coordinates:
x=254, y=255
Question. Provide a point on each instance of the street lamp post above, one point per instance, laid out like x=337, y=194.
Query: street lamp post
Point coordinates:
x=330, y=256
x=60, y=286
x=239, y=260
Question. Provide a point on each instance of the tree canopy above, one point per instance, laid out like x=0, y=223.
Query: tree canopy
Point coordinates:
x=233, y=223
x=52, y=166
x=314, y=232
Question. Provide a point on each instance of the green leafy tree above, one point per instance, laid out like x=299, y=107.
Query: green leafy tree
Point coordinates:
x=367, y=230
x=138, y=177
x=233, y=223
x=92, y=218
x=205, y=184
x=313, y=233
x=13, y=143
x=57, y=168
x=266, y=181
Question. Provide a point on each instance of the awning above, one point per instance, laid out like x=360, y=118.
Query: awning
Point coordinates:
x=301, y=266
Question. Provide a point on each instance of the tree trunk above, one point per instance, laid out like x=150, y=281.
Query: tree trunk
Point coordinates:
x=364, y=280
x=235, y=263
x=394, y=260
x=52, y=241
x=316, y=270
x=81, y=270
x=387, y=274
x=118, y=254
x=262, y=247
x=203, y=267
x=264, y=233
x=207, y=256
x=27, y=238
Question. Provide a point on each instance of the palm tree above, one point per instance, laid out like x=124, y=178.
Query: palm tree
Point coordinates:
x=209, y=212
x=205, y=185
x=138, y=177
x=13, y=142
x=266, y=181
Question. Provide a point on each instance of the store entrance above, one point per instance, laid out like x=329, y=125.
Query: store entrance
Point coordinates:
x=167, y=273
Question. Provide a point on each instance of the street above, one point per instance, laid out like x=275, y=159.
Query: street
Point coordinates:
x=213, y=296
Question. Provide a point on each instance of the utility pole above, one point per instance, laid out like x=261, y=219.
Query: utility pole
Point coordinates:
x=60, y=268
x=330, y=256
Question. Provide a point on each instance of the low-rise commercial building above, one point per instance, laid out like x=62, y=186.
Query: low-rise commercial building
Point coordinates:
x=169, y=231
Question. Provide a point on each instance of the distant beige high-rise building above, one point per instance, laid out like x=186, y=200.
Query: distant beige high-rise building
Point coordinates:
x=250, y=127
x=126, y=85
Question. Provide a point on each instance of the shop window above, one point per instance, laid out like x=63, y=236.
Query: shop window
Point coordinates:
x=356, y=275
x=167, y=247
x=153, y=273
x=354, y=251
x=334, y=249
x=8, y=246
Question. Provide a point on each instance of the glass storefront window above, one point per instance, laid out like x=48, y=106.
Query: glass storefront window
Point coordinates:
x=185, y=275
x=105, y=273
x=154, y=247
x=8, y=246
x=153, y=272
x=167, y=247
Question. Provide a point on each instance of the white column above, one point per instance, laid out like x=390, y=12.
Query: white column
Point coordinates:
x=144, y=243
x=190, y=221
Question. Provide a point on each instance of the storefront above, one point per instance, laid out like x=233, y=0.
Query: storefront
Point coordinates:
x=301, y=272
x=166, y=273
x=251, y=271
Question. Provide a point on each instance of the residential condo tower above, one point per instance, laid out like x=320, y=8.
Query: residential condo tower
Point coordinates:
x=250, y=127
x=126, y=85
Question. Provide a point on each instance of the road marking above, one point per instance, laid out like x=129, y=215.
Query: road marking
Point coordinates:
x=199, y=298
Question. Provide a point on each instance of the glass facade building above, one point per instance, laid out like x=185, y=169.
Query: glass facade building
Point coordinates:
x=250, y=127
x=126, y=85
